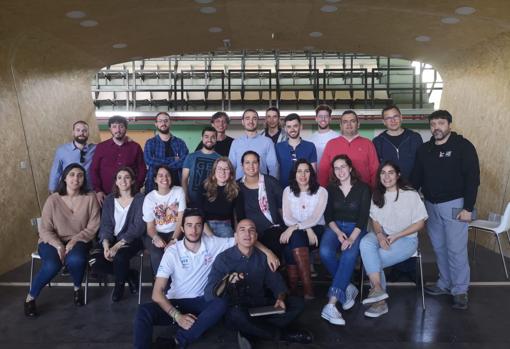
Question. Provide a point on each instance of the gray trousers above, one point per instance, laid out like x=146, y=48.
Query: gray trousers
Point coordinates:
x=449, y=239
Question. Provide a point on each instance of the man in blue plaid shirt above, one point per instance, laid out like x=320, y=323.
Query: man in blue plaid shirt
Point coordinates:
x=164, y=149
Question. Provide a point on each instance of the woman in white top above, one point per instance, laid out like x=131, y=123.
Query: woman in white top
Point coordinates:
x=303, y=205
x=397, y=213
x=162, y=211
x=120, y=232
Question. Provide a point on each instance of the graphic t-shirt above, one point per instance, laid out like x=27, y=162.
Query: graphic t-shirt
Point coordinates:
x=163, y=209
x=199, y=165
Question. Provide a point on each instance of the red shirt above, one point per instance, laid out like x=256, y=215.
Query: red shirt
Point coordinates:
x=360, y=150
x=109, y=157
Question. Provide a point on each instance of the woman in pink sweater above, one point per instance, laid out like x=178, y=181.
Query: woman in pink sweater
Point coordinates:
x=70, y=220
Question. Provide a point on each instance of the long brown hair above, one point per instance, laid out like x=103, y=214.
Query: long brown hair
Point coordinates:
x=211, y=185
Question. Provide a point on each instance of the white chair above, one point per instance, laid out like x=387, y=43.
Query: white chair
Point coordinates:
x=417, y=255
x=496, y=228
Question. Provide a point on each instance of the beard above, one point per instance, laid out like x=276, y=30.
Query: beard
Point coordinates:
x=209, y=147
x=81, y=140
x=193, y=241
x=323, y=127
x=165, y=132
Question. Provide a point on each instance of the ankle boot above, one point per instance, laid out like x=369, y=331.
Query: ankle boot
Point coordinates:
x=302, y=257
x=293, y=275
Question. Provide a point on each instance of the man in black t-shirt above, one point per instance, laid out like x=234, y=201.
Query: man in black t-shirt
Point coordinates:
x=220, y=121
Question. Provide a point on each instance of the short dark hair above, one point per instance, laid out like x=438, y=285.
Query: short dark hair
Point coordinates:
x=275, y=109
x=79, y=122
x=209, y=129
x=313, y=185
x=349, y=111
x=220, y=114
x=173, y=180
x=354, y=174
x=323, y=107
x=117, y=119
x=291, y=117
x=115, y=188
x=192, y=212
x=162, y=113
x=392, y=106
x=62, y=187
x=249, y=110
x=250, y=152
x=441, y=114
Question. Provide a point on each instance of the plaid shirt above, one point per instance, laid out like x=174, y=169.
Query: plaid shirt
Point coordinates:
x=155, y=155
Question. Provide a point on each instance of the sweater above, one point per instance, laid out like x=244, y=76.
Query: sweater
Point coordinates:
x=353, y=208
x=59, y=224
x=448, y=171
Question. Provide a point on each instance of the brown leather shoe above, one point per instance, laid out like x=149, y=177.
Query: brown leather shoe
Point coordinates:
x=302, y=258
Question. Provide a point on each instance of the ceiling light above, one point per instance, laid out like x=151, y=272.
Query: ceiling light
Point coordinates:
x=215, y=30
x=465, y=10
x=204, y=1
x=450, y=20
x=332, y=1
x=422, y=38
x=329, y=8
x=309, y=48
x=88, y=23
x=315, y=34
x=119, y=45
x=76, y=14
x=208, y=10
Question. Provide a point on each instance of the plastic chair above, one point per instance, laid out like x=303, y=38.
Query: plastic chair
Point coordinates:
x=496, y=228
x=416, y=255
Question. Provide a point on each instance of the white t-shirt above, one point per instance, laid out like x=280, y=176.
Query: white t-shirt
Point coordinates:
x=163, y=209
x=396, y=216
x=119, y=214
x=188, y=270
x=320, y=140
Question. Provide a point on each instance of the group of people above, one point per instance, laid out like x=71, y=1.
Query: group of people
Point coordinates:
x=219, y=221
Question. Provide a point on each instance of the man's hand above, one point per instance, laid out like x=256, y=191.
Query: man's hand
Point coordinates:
x=235, y=277
x=272, y=261
x=280, y=304
x=464, y=216
x=100, y=198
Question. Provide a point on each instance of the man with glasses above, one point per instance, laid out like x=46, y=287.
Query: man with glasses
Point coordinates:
x=164, y=149
x=359, y=149
x=324, y=133
x=77, y=151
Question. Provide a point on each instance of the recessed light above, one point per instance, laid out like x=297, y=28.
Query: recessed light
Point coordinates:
x=465, y=10
x=204, y=1
x=208, y=10
x=450, y=20
x=422, y=38
x=76, y=14
x=88, y=23
x=315, y=34
x=119, y=45
x=329, y=8
x=332, y=1
x=215, y=30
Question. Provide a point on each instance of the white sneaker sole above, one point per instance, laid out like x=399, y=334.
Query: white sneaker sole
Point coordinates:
x=374, y=315
x=338, y=322
x=375, y=299
x=348, y=305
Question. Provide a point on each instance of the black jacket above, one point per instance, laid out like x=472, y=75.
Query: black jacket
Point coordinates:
x=448, y=171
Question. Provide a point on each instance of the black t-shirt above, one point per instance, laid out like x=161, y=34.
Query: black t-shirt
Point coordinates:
x=395, y=140
x=274, y=137
x=220, y=209
x=221, y=147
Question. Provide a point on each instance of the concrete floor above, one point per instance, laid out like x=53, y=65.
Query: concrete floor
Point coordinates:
x=103, y=324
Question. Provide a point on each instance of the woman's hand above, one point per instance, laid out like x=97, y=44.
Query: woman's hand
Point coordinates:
x=158, y=241
x=285, y=237
x=312, y=237
x=61, y=250
x=70, y=245
x=392, y=238
x=341, y=237
x=383, y=241
x=347, y=244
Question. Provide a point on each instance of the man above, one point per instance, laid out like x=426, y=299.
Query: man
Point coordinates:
x=249, y=279
x=359, y=149
x=197, y=166
x=324, y=133
x=187, y=264
x=294, y=148
x=397, y=144
x=272, y=128
x=77, y=151
x=164, y=149
x=448, y=173
x=253, y=141
x=220, y=121
x=112, y=154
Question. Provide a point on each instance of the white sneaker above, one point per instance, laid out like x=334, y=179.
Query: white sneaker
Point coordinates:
x=377, y=309
x=331, y=313
x=350, y=293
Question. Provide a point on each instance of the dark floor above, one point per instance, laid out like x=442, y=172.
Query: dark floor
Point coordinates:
x=102, y=324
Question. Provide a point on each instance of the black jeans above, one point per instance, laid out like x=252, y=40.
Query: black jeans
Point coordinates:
x=120, y=264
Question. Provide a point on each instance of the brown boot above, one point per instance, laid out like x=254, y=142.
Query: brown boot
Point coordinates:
x=302, y=258
x=293, y=275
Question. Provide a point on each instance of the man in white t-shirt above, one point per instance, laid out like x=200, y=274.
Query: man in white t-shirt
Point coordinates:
x=187, y=263
x=324, y=133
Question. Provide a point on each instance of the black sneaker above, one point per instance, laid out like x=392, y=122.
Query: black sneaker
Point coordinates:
x=243, y=342
x=118, y=292
x=435, y=291
x=133, y=281
x=78, y=298
x=30, y=309
x=460, y=301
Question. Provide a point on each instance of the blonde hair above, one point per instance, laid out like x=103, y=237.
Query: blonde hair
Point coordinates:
x=211, y=184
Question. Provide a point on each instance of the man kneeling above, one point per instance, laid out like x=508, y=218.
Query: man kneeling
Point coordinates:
x=241, y=275
x=188, y=264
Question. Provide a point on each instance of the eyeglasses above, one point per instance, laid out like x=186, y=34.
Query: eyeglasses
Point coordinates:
x=221, y=169
x=394, y=117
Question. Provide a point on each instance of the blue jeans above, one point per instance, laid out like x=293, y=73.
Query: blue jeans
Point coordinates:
x=151, y=314
x=375, y=258
x=221, y=229
x=75, y=261
x=340, y=268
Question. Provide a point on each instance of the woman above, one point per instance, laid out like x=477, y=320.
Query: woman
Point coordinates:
x=219, y=200
x=304, y=202
x=397, y=213
x=121, y=231
x=70, y=219
x=346, y=217
x=162, y=211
